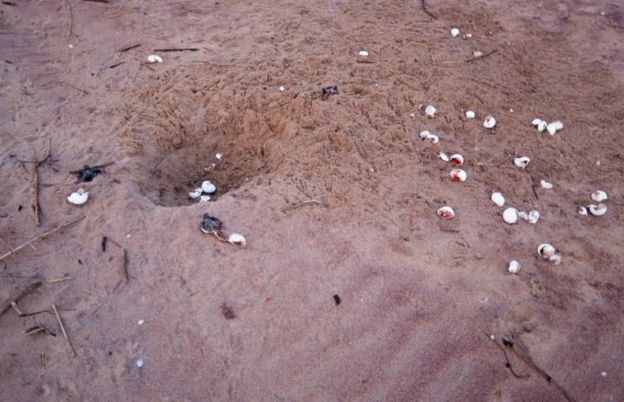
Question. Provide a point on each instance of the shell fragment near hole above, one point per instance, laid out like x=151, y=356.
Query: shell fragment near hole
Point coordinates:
x=78, y=197
x=489, y=122
x=446, y=212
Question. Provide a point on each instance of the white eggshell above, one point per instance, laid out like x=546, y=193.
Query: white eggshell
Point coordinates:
x=154, y=58
x=546, y=250
x=282, y=88
x=542, y=126
x=444, y=157
x=237, y=239
x=582, y=210
x=510, y=215
x=498, y=199
x=536, y=122
x=219, y=156
x=208, y=187
x=470, y=114
x=363, y=53
x=523, y=215
x=78, y=197
x=554, y=127
x=446, y=212
x=458, y=175
x=599, y=196
x=522, y=161
x=546, y=185
x=424, y=134
x=597, y=210
x=457, y=159
x=204, y=198
x=555, y=259
x=455, y=32
x=195, y=194
x=430, y=110
x=489, y=122
x=514, y=267
x=533, y=216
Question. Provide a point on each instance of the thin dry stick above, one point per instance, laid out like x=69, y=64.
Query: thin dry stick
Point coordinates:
x=20, y=296
x=63, y=279
x=38, y=163
x=429, y=13
x=181, y=49
x=491, y=52
x=71, y=19
x=124, y=266
x=60, y=322
x=45, y=234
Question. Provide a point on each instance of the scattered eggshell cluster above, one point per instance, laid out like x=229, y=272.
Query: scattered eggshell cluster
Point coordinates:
x=531, y=216
x=203, y=192
x=511, y=215
x=78, y=197
x=542, y=125
x=595, y=209
x=548, y=252
x=426, y=135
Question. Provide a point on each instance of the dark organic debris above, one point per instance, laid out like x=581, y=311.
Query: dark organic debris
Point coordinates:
x=211, y=225
x=330, y=90
x=87, y=173
x=227, y=312
x=104, y=241
x=337, y=300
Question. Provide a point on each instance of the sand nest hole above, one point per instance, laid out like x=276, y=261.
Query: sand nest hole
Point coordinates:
x=175, y=160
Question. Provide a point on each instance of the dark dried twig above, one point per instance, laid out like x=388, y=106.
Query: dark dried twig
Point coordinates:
x=423, y=3
x=507, y=362
x=39, y=328
x=37, y=164
x=98, y=1
x=125, y=49
x=9, y=3
x=104, y=241
x=116, y=64
x=534, y=191
x=124, y=266
x=71, y=19
x=45, y=234
x=491, y=52
x=524, y=356
x=20, y=296
x=181, y=49
x=60, y=322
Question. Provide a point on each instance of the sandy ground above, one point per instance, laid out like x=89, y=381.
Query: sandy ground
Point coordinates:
x=335, y=196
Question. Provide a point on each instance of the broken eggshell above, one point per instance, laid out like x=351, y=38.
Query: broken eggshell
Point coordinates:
x=154, y=58
x=237, y=239
x=457, y=159
x=363, y=53
x=599, y=196
x=489, y=122
x=498, y=198
x=208, y=187
x=430, y=111
x=195, y=194
x=455, y=32
x=426, y=135
x=470, y=114
x=597, y=210
x=554, y=127
x=444, y=157
x=78, y=197
x=582, y=210
x=546, y=185
x=522, y=161
x=458, y=175
x=446, y=212
x=510, y=215
x=546, y=250
x=514, y=267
